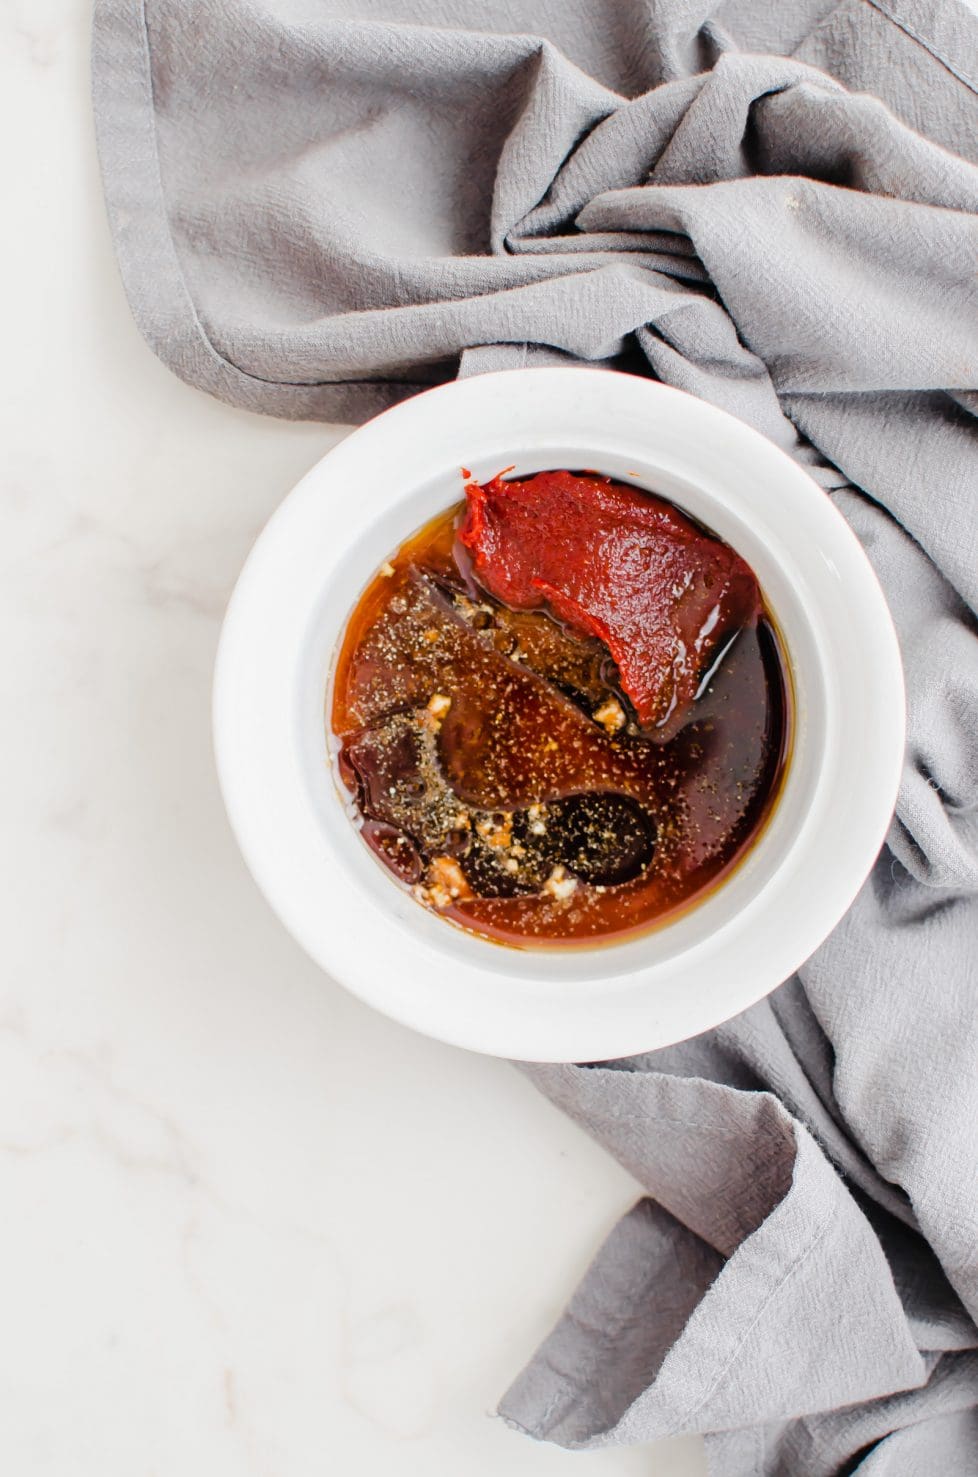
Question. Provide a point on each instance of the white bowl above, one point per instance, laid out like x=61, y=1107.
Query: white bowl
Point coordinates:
x=293, y=823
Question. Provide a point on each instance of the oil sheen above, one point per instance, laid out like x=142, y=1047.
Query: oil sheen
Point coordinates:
x=498, y=767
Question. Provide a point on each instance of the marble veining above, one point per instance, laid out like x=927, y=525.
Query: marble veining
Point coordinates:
x=248, y=1226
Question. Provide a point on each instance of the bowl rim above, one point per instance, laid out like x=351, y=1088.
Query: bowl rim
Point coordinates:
x=375, y=939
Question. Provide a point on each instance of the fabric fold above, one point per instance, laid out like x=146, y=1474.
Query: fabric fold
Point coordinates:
x=321, y=207
x=750, y=1333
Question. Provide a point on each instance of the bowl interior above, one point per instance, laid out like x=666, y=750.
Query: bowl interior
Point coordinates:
x=293, y=821
x=327, y=796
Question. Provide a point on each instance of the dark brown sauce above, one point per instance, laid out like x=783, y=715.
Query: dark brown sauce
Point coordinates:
x=497, y=768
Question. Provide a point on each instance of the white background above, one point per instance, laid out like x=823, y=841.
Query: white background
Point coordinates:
x=246, y=1226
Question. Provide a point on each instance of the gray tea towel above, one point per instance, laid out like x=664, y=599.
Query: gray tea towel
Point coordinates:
x=319, y=207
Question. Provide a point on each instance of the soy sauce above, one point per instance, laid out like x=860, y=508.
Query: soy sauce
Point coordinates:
x=496, y=767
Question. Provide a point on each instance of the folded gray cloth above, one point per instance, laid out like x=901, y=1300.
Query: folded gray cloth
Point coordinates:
x=320, y=206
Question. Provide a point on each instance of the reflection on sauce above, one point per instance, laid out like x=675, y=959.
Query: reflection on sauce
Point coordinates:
x=505, y=767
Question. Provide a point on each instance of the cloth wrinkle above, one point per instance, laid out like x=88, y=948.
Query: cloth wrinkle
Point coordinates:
x=322, y=207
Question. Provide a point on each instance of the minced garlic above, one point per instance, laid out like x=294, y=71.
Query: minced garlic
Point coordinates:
x=438, y=705
x=611, y=715
x=446, y=881
x=560, y=884
x=497, y=835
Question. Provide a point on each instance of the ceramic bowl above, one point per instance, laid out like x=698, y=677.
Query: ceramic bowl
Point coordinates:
x=292, y=818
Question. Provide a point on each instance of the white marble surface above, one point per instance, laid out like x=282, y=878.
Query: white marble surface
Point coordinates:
x=246, y=1226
